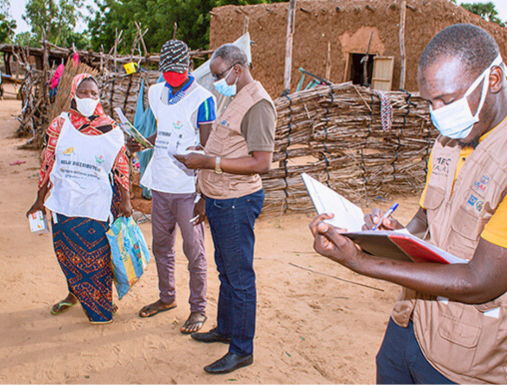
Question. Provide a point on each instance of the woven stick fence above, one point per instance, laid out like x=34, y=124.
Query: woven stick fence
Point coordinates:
x=119, y=90
x=334, y=133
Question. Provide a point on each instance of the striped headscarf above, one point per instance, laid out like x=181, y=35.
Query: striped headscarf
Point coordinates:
x=174, y=57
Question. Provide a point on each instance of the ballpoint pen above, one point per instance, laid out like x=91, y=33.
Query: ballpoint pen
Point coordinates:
x=386, y=214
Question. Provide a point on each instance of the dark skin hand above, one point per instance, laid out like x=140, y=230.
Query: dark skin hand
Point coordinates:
x=483, y=278
x=479, y=281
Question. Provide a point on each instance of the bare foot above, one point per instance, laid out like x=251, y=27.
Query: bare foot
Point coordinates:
x=64, y=305
x=194, y=323
x=155, y=308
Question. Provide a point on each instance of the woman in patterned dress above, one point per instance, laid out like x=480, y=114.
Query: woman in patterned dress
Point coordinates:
x=87, y=188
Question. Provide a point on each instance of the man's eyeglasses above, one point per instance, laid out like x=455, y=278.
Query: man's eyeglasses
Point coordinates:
x=219, y=76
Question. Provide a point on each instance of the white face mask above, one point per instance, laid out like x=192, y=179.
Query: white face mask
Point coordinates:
x=455, y=120
x=86, y=106
x=224, y=88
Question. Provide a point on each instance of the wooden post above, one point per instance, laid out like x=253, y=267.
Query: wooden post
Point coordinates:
x=291, y=20
x=115, y=47
x=402, y=43
x=245, y=28
x=328, y=63
x=175, y=29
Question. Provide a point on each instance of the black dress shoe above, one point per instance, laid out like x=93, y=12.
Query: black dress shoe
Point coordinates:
x=212, y=336
x=229, y=363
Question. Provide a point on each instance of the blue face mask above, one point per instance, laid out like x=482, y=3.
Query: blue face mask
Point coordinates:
x=224, y=88
x=455, y=120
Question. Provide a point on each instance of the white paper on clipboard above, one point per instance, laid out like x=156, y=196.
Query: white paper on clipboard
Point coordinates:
x=327, y=201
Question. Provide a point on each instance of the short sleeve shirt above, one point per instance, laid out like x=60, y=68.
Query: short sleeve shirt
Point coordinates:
x=258, y=127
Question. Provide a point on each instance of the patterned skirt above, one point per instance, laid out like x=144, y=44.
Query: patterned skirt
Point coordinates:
x=84, y=254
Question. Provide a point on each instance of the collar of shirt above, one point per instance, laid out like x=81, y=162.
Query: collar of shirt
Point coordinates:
x=185, y=87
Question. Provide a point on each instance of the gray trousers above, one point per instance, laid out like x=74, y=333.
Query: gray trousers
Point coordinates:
x=169, y=211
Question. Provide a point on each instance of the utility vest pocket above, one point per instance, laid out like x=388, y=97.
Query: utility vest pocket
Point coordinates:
x=465, y=232
x=434, y=197
x=469, y=340
x=217, y=140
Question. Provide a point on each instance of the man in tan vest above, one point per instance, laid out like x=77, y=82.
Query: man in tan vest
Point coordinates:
x=239, y=148
x=450, y=322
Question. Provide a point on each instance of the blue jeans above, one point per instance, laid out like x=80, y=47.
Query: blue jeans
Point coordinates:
x=232, y=228
x=401, y=361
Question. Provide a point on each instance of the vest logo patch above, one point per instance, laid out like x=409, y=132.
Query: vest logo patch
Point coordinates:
x=479, y=206
x=441, y=165
x=226, y=122
x=100, y=159
x=178, y=125
x=472, y=200
x=69, y=151
x=482, y=184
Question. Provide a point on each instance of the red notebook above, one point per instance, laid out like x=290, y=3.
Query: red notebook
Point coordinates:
x=402, y=246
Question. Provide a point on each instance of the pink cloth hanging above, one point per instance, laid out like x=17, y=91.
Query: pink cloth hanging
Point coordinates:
x=56, y=77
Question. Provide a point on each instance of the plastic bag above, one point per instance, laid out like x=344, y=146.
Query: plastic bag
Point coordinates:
x=129, y=253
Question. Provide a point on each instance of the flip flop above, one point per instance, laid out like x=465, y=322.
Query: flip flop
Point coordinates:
x=157, y=310
x=62, y=307
x=187, y=324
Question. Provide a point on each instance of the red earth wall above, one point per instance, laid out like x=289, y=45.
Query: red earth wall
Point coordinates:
x=347, y=25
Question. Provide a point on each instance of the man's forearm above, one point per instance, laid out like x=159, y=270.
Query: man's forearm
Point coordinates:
x=468, y=283
x=245, y=166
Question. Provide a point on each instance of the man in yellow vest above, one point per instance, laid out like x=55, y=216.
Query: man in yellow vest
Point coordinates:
x=239, y=148
x=450, y=323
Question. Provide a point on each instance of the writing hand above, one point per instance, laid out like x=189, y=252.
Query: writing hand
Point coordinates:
x=388, y=223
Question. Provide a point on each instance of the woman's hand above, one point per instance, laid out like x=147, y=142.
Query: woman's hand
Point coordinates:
x=133, y=146
x=37, y=206
x=331, y=244
x=125, y=208
x=388, y=223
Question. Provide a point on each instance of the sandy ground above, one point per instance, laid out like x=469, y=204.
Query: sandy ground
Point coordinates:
x=311, y=328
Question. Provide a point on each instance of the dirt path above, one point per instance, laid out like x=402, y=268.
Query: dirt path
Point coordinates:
x=310, y=328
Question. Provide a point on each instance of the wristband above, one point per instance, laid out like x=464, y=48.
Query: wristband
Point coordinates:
x=218, y=169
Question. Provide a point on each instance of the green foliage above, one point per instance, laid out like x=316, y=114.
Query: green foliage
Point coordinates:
x=57, y=18
x=7, y=24
x=485, y=10
x=24, y=39
x=192, y=17
x=7, y=28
